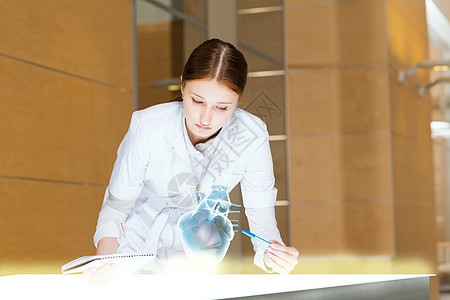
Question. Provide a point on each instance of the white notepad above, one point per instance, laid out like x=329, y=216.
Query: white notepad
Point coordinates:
x=124, y=263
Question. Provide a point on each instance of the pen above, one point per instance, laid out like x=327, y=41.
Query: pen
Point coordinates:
x=248, y=233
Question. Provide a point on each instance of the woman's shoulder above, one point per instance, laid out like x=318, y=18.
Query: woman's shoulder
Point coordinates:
x=246, y=119
x=156, y=118
x=162, y=110
x=159, y=114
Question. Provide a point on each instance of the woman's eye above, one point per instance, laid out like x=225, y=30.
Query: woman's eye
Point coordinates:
x=222, y=108
x=195, y=101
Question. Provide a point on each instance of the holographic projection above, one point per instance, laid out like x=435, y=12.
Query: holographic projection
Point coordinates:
x=206, y=231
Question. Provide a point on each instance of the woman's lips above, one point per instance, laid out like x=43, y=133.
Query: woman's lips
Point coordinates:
x=202, y=127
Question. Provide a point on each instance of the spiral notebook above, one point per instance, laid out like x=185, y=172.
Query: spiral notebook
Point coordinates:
x=125, y=263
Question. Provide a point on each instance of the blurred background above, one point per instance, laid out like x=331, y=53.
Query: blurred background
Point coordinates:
x=350, y=91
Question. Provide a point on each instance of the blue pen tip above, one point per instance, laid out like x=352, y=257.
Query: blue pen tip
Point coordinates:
x=246, y=232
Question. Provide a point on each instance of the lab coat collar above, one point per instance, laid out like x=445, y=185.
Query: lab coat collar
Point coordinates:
x=176, y=137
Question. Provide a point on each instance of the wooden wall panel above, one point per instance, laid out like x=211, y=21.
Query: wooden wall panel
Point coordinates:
x=414, y=207
x=255, y=37
x=407, y=36
x=278, y=149
x=86, y=38
x=309, y=2
x=338, y=100
x=243, y=4
x=57, y=126
x=44, y=223
x=343, y=228
x=264, y=97
x=335, y=34
x=345, y=167
x=157, y=63
x=66, y=92
x=313, y=228
x=360, y=149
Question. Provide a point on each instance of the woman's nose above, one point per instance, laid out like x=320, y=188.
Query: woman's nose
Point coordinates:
x=205, y=118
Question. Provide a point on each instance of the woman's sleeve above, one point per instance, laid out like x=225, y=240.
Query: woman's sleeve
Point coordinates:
x=259, y=196
x=111, y=217
x=126, y=183
x=258, y=181
x=128, y=175
x=262, y=222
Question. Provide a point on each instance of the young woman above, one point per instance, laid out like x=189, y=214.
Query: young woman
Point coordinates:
x=175, y=154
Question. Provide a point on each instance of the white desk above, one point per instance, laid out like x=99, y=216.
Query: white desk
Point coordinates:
x=218, y=287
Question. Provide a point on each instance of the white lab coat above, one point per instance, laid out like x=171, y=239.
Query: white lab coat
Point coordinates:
x=156, y=166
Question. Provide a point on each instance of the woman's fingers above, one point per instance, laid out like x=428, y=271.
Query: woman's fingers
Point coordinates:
x=281, y=258
x=88, y=272
x=288, y=253
x=100, y=275
x=277, y=246
x=287, y=256
x=274, y=265
x=107, y=274
x=285, y=266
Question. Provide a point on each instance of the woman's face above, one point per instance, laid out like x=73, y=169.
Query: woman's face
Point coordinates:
x=207, y=107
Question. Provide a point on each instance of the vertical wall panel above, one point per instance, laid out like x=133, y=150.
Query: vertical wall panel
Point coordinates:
x=360, y=148
x=58, y=127
x=252, y=35
x=155, y=63
x=66, y=88
x=86, y=38
x=338, y=100
x=407, y=36
x=45, y=224
x=243, y=4
x=335, y=34
x=264, y=98
x=411, y=141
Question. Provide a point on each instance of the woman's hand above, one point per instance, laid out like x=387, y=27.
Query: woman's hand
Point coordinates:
x=104, y=273
x=281, y=259
x=100, y=275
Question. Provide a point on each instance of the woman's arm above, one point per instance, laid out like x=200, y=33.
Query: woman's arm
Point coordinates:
x=113, y=213
x=109, y=225
x=259, y=196
x=107, y=245
x=104, y=273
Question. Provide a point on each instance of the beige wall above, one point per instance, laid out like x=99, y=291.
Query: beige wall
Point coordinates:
x=159, y=56
x=339, y=128
x=361, y=173
x=66, y=89
x=411, y=136
x=439, y=49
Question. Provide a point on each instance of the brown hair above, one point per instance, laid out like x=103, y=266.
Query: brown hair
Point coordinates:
x=219, y=60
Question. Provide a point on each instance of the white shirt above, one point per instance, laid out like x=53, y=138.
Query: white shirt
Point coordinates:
x=159, y=171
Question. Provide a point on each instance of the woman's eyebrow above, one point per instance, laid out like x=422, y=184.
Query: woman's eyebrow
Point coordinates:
x=221, y=102
x=198, y=95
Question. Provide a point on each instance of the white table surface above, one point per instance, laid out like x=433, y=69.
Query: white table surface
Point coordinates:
x=205, y=286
